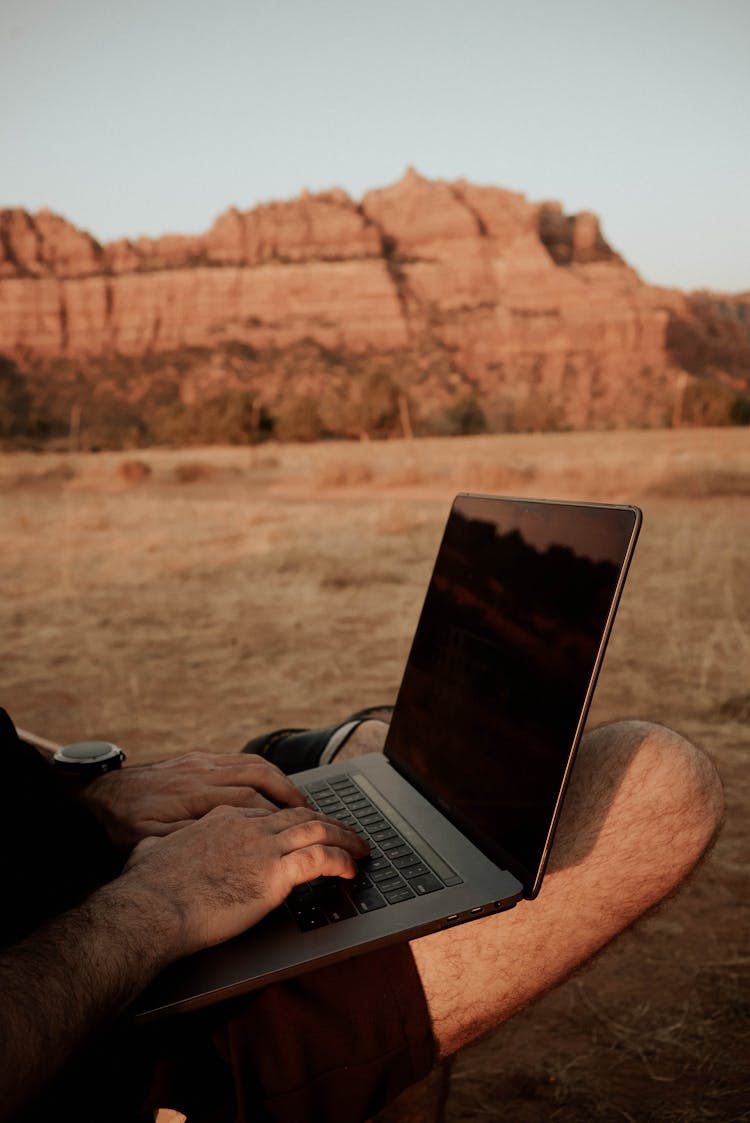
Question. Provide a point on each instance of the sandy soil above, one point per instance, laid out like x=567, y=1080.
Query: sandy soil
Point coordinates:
x=173, y=599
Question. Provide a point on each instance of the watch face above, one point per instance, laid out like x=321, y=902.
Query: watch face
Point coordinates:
x=89, y=758
x=88, y=752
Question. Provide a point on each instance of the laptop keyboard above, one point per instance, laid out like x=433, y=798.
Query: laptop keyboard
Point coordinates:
x=394, y=870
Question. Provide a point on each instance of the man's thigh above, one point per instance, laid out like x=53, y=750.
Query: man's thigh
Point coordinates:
x=642, y=807
x=335, y=1044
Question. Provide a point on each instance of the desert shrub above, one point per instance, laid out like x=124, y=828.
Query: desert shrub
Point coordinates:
x=364, y=402
x=706, y=402
x=238, y=350
x=134, y=471
x=337, y=413
x=299, y=420
x=740, y=412
x=378, y=402
x=461, y=418
x=231, y=417
x=15, y=400
x=106, y=421
x=193, y=471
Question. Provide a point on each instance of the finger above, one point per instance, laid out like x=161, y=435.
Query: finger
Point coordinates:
x=320, y=829
x=318, y=860
x=261, y=775
x=238, y=762
x=311, y=826
x=238, y=797
x=223, y=810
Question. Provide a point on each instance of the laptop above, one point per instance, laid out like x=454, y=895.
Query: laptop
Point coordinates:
x=461, y=807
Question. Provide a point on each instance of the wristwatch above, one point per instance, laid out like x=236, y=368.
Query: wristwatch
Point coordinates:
x=80, y=763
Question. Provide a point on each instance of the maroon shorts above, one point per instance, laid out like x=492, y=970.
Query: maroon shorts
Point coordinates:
x=334, y=1045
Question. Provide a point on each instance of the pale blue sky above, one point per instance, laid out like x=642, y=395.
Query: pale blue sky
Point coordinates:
x=149, y=116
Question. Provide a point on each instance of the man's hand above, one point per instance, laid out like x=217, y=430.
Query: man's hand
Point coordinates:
x=179, y=893
x=157, y=799
x=227, y=871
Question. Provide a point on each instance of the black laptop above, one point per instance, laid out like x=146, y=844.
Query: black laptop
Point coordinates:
x=461, y=808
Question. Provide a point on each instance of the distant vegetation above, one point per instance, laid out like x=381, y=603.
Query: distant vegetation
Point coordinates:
x=235, y=394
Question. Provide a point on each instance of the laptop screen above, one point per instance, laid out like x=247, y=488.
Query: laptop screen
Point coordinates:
x=503, y=664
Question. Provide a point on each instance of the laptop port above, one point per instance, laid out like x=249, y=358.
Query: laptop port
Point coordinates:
x=504, y=906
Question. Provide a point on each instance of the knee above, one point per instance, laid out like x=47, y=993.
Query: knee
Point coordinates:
x=670, y=775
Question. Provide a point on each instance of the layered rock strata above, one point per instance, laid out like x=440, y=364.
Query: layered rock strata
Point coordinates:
x=465, y=290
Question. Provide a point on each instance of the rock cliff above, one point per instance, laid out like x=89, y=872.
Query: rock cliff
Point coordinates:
x=450, y=292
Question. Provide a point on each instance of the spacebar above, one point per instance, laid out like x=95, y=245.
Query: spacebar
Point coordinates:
x=433, y=859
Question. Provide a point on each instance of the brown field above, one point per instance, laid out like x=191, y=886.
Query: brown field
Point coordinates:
x=171, y=599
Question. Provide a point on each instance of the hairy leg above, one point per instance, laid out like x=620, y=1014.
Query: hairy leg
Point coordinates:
x=642, y=807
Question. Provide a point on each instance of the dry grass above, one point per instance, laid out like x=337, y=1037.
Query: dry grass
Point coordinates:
x=280, y=585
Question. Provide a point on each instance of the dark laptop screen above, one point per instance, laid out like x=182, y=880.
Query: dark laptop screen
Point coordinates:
x=503, y=662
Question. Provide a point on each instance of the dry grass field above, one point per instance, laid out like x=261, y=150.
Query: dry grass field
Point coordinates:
x=172, y=599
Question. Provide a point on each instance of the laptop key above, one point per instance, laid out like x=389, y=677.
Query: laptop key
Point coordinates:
x=367, y=900
x=327, y=797
x=340, y=909
x=310, y=919
x=387, y=885
x=415, y=870
x=393, y=896
x=375, y=862
x=373, y=822
x=381, y=877
x=386, y=873
x=403, y=861
x=346, y=793
x=383, y=834
x=427, y=883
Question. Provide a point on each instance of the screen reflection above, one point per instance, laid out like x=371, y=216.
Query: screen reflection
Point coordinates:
x=501, y=663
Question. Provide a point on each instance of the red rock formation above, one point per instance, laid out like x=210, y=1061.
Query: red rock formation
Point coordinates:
x=326, y=227
x=45, y=244
x=475, y=290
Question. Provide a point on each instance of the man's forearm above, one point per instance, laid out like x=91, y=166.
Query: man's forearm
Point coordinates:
x=74, y=977
x=188, y=890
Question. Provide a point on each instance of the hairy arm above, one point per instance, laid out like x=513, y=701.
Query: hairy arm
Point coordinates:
x=188, y=890
x=74, y=977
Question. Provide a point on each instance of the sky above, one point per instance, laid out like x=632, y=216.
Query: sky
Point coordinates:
x=154, y=116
